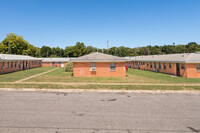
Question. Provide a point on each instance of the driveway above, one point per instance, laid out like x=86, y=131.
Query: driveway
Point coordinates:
x=98, y=112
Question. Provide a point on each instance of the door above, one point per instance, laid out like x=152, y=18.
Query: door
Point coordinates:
x=23, y=65
x=62, y=64
x=177, y=69
x=53, y=64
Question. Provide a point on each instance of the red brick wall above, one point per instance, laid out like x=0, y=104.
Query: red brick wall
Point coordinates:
x=50, y=64
x=190, y=70
x=17, y=68
x=82, y=69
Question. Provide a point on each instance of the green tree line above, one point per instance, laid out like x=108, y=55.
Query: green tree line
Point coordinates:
x=14, y=44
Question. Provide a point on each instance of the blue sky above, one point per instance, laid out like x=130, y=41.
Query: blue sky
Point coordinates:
x=131, y=23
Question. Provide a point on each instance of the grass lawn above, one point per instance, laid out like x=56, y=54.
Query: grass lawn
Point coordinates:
x=59, y=75
x=14, y=76
x=134, y=76
x=110, y=87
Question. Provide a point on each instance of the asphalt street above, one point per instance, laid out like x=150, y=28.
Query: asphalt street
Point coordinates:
x=98, y=112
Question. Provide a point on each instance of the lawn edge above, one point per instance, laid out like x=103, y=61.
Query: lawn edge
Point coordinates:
x=102, y=90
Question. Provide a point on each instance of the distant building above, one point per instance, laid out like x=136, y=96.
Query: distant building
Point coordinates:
x=11, y=63
x=185, y=64
x=99, y=65
x=54, y=62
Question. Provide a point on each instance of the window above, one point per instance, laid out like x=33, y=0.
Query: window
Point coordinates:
x=7, y=65
x=170, y=65
x=159, y=65
x=182, y=66
x=198, y=67
x=133, y=63
x=147, y=63
x=19, y=64
x=43, y=63
x=15, y=64
x=151, y=65
x=112, y=66
x=11, y=65
x=2, y=65
x=165, y=66
x=92, y=66
x=155, y=65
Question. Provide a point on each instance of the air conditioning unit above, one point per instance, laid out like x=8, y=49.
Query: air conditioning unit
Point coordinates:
x=93, y=69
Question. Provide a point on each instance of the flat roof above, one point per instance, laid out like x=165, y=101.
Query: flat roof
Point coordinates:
x=55, y=59
x=179, y=58
x=12, y=57
x=99, y=57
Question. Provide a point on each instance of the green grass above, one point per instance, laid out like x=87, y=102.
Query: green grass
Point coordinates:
x=59, y=75
x=14, y=76
x=134, y=76
x=99, y=87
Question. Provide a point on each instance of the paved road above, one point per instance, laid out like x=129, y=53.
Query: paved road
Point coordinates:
x=98, y=112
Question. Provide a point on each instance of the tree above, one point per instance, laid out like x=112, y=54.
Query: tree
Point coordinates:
x=91, y=49
x=57, y=52
x=45, y=51
x=14, y=44
x=69, y=51
x=79, y=49
x=192, y=47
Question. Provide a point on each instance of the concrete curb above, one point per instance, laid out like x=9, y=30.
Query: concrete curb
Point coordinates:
x=94, y=90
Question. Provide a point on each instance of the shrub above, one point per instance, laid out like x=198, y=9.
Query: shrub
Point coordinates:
x=69, y=67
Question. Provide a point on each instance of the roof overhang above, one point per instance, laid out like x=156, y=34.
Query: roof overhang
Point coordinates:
x=98, y=61
x=167, y=61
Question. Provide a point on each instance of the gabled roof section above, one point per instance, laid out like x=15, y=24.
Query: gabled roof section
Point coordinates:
x=179, y=58
x=12, y=57
x=99, y=57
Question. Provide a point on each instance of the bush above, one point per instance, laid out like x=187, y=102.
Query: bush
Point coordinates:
x=69, y=67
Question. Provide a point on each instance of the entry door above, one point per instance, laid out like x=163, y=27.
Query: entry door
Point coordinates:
x=62, y=64
x=23, y=65
x=177, y=69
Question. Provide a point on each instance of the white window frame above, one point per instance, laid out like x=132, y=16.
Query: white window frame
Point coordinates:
x=112, y=66
x=92, y=66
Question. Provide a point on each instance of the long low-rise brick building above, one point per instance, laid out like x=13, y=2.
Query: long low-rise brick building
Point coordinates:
x=54, y=62
x=11, y=63
x=185, y=64
x=99, y=65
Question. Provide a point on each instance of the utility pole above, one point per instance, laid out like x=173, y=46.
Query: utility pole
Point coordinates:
x=108, y=46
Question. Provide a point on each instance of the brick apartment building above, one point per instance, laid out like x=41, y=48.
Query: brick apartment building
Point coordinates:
x=99, y=65
x=185, y=64
x=11, y=63
x=54, y=62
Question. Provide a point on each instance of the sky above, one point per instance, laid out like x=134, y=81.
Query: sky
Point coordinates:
x=129, y=23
